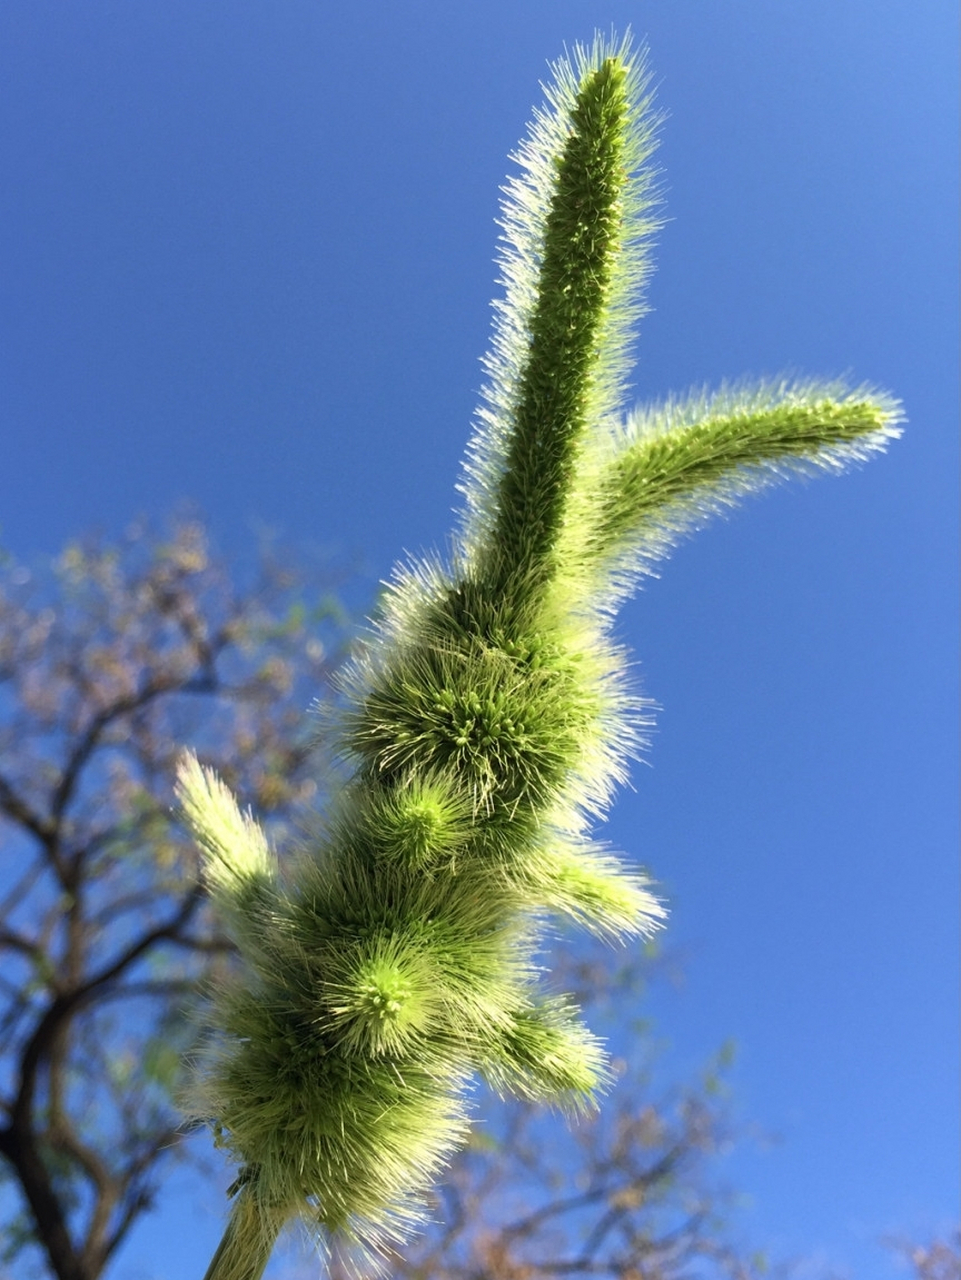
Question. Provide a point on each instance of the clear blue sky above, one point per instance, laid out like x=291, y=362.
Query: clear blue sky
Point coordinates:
x=246, y=260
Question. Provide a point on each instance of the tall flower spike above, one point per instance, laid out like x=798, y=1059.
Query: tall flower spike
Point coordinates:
x=575, y=257
x=487, y=723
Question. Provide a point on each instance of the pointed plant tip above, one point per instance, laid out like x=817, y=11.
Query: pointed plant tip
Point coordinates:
x=187, y=763
x=235, y=847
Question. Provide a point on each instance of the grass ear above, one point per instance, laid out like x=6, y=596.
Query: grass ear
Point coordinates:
x=548, y=1055
x=486, y=723
x=238, y=864
x=674, y=465
x=592, y=889
x=575, y=256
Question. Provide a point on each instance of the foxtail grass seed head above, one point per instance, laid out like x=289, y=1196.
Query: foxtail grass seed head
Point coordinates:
x=487, y=721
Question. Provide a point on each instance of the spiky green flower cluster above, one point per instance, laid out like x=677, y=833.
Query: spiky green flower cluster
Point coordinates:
x=488, y=722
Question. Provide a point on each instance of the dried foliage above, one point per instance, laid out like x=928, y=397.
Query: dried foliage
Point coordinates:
x=109, y=662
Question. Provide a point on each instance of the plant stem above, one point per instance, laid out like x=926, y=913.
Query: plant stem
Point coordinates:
x=246, y=1245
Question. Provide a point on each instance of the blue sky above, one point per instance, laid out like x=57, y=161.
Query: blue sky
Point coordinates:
x=246, y=261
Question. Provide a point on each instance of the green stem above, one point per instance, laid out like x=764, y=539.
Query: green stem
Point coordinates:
x=246, y=1245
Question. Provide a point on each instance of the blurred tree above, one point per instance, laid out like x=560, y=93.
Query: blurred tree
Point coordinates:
x=631, y=1193
x=109, y=663
x=938, y=1260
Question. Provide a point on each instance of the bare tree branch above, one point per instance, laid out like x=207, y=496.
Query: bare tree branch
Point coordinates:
x=110, y=664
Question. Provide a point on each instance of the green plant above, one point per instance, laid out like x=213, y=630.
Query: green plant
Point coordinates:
x=487, y=724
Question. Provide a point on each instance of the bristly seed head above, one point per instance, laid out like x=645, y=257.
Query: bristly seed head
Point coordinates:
x=487, y=721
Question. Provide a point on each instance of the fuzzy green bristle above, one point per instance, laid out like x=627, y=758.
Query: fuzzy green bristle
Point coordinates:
x=580, y=239
x=507, y=731
x=418, y=822
x=380, y=997
x=548, y=1055
x=675, y=464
